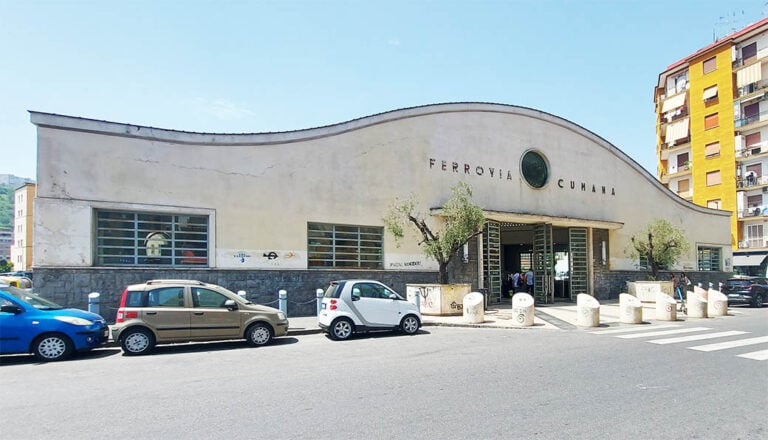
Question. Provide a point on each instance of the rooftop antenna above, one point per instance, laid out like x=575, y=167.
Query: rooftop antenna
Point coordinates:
x=730, y=23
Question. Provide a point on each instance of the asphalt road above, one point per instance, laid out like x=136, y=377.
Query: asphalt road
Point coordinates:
x=442, y=383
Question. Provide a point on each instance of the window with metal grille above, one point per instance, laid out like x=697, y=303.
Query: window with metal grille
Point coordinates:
x=709, y=258
x=344, y=246
x=125, y=238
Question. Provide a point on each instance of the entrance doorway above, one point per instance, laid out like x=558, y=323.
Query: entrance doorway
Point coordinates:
x=558, y=257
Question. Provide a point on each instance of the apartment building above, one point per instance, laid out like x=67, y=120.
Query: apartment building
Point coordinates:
x=21, y=248
x=712, y=136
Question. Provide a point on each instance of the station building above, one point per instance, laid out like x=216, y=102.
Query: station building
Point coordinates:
x=119, y=203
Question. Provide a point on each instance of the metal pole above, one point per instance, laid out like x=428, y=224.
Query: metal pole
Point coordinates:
x=283, y=303
x=319, y=294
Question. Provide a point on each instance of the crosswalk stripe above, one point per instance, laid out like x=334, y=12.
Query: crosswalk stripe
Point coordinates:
x=731, y=344
x=697, y=337
x=756, y=355
x=631, y=329
x=663, y=333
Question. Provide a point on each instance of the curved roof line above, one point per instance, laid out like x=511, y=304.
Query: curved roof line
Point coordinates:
x=57, y=121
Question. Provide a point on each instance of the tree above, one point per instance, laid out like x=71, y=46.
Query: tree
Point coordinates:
x=660, y=243
x=462, y=220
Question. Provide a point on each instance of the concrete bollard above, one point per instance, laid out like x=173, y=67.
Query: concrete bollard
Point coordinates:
x=696, y=302
x=473, y=309
x=93, y=302
x=587, y=311
x=630, y=309
x=319, y=293
x=522, y=309
x=282, y=297
x=717, y=303
x=666, y=308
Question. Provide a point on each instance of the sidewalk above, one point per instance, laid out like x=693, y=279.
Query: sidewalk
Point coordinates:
x=558, y=316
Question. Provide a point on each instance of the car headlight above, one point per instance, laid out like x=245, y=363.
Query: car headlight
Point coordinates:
x=73, y=320
x=281, y=316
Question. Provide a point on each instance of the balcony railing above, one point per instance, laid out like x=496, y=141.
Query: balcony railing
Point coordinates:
x=750, y=119
x=753, y=182
x=754, y=211
x=752, y=88
x=752, y=243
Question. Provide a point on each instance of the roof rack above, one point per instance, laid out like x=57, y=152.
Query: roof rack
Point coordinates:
x=195, y=282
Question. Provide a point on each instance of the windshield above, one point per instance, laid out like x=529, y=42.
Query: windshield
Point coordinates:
x=30, y=298
x=737, y=283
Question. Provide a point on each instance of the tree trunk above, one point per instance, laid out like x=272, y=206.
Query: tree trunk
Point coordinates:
x=442, y=277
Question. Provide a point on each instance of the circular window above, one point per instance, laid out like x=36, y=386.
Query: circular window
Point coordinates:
x=534, y=169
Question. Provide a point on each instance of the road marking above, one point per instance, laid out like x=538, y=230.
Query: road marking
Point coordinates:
x=631, y=329
x=664, y=333
x=697, y=337
x=731, y=344
x=756, y=355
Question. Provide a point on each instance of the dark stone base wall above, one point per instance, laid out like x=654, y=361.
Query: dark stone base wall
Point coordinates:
x=70, y=286
x=609, y=284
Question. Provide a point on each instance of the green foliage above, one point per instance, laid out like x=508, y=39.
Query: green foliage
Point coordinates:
x=660, y=243
x=462, y=220
x=6, y=266
x=6, y=206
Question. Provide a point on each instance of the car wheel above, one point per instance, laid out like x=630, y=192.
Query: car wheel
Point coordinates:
x=409, y=325
x=258, y=334
x=137, y=341
x=342, y=329
x=52, y=347
x=758, y=300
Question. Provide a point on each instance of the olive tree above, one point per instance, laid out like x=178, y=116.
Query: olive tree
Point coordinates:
x=660, y=243
x=461, y=220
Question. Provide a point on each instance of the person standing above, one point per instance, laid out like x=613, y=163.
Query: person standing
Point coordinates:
x=516, y=281
x=529, y=280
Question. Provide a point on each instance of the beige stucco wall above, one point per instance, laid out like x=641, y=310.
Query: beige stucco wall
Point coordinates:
x=262, y=189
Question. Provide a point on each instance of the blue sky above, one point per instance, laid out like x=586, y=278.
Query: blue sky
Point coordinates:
x=261, y=66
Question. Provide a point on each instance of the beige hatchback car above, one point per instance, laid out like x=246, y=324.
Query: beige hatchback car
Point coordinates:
x=166, y=311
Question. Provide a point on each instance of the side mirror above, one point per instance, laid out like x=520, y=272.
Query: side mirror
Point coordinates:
x=10, y=308
x=393, y=296
x=355, y=297
x=230, y=304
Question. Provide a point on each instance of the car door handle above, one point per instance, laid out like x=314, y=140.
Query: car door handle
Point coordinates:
x=199, y=313
x=151, y=313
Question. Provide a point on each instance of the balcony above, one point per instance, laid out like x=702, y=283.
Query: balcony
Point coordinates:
x=749, y=89
x=753, y=243
x=754, y=212
x=756, y=183
x=743, y=122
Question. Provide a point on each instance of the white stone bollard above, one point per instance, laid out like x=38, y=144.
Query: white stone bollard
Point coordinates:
x=522, y=309
x=630, y=309
x=587, y=311
x=717, y=304
x=696, y=302
x=666, y=307
x=473, y=310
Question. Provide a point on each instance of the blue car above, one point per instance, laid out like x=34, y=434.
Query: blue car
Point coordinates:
x=31, y=324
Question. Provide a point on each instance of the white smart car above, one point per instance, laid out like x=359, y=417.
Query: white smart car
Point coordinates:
x=351, y=306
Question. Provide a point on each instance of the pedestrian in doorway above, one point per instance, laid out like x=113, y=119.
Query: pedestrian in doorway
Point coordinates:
x=516, y=281
x=529, y=281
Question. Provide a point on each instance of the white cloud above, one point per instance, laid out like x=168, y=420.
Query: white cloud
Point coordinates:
x=223, y=109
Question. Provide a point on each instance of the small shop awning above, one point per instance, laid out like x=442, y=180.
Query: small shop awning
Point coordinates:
x=673, y=102
x=748, y=260
x=567, y=222
x=749, y=75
